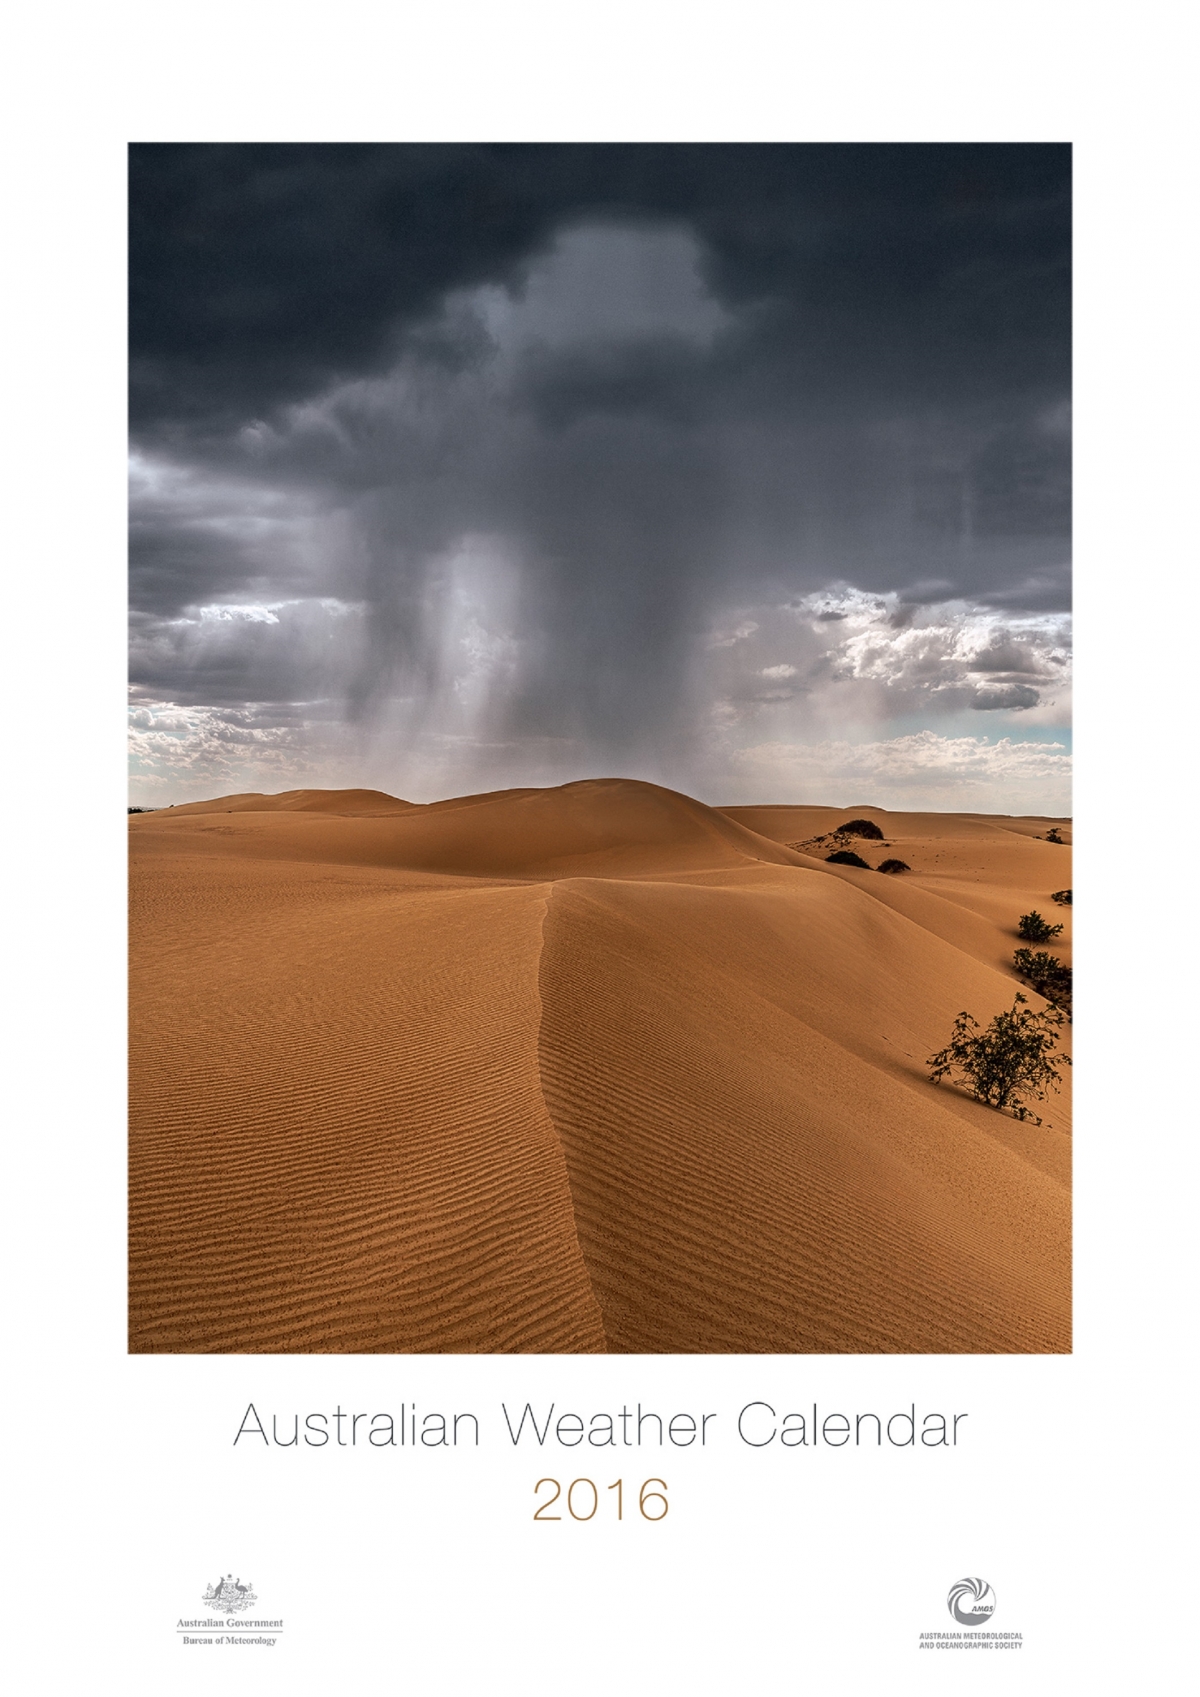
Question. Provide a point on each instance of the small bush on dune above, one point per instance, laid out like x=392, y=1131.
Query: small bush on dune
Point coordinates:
x=893, y=865
x=1062, y=897
x=843, y=857
x=1011, y=1059
x=1052, y=835
x=1034, y=929
x=1047, y=974
x=861, y=828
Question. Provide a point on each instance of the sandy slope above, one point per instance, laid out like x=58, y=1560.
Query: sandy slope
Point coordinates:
x=594, y=1068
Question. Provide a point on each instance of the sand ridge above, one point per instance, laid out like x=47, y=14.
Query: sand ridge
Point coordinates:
x=593, y=1068
x=357, y=804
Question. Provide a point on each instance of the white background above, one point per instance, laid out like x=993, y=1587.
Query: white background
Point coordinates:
x=775, y=1571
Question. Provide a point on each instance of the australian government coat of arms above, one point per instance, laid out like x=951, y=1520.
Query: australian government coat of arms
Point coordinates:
x=230, y=1595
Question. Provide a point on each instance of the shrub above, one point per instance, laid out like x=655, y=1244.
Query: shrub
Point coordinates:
x=893, y=865
x=1034, y=929
x=1052, y=835
x=1010, y=1060
x=141, y=810
x=861, y=828
x=1062, y=897
x=843, y=857
x=1047, y=974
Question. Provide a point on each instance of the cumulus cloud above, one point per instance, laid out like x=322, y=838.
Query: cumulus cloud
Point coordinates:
x=880, y=657
x=961, y=654
x=180, y=753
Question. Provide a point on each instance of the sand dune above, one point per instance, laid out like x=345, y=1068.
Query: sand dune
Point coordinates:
x=585, y=1069
x=357, y=804
x=611, y=828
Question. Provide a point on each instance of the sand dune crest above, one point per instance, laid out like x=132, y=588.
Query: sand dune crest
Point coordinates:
x=347, y=803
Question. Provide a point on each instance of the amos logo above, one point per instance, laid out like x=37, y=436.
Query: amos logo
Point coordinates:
x=972, y=1602
x=229, y=1595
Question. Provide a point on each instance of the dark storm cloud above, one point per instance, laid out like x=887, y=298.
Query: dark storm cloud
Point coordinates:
x=1012, y=695
x=865, y=380
x=260, y=272
x=292, y=652
x=171, y=567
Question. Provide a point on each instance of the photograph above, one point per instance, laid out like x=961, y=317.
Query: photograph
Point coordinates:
x=600, y=813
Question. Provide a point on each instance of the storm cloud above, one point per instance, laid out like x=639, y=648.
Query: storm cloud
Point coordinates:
x=458, y=467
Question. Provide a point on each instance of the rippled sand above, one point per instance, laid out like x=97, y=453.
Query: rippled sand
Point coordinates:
x=596, y=1068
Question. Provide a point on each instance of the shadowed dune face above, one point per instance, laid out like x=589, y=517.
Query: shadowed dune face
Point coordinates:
x=595, y=1068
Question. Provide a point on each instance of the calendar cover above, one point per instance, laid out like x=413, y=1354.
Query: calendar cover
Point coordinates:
x=542, y=1151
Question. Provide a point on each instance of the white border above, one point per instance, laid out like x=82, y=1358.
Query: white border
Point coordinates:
x=768, y=1577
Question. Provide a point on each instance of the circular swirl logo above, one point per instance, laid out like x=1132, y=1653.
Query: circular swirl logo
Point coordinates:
x=972, y=1602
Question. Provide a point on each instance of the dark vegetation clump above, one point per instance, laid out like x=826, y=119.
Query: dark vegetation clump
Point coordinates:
x=861, y=828
x=141, y=810
x=1062, y=897
x=1034, y=929
x=1009, y=1061
x=893, y=865
x=844, y=857
x=1052, y=835
x=1047, y=974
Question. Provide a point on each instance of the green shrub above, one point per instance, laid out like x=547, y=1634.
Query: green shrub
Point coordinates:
x=1009, y=1061
x=843, y=857
x=893, y=865
x=1052, y=835
x=1047, y=974
x=860, y=828
x=1034, y=929
x=1062, y=897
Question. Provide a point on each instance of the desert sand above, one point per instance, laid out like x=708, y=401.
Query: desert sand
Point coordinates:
x=595, y=1068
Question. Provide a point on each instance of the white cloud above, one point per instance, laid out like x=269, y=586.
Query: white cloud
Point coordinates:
x=193, y=753
x=844, y=655
x=252, y=612
x=972, y=653
x=924, y=770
